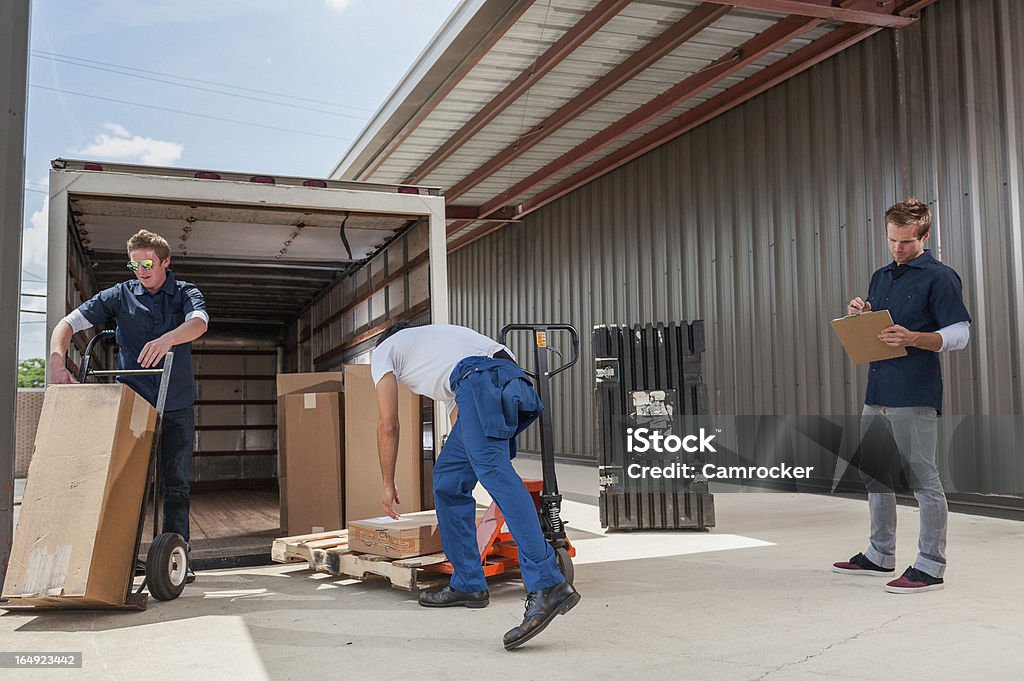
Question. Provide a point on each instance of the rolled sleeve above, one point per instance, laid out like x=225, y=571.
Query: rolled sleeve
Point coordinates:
x=102, y=307
x=194, y=303
x=77, y=321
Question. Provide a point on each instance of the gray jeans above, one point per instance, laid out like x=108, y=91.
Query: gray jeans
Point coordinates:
x=913, y=429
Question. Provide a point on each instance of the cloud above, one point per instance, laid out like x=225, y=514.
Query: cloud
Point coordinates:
x=117, y=144
x=33, y=240
x=337, y=5
x=31, y=327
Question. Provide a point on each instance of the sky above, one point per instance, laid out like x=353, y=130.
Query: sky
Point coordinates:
x=262, y=86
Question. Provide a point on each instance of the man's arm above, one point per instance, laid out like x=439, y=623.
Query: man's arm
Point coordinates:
x=899, y=336
x=952, y=337
x=154, y=350
x=56, y=371
x=387, y=439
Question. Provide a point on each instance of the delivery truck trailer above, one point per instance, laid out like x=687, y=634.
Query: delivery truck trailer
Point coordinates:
x=299, y=275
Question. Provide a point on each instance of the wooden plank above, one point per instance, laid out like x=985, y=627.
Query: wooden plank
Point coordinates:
x=299, y=538
x=329, y=552
x=360, y=566
x=422, y=561
x=300, y=547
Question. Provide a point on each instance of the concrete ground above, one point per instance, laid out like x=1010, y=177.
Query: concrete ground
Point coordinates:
x=753, y=599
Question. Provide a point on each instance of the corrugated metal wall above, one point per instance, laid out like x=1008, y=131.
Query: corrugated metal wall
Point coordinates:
x=766, y=220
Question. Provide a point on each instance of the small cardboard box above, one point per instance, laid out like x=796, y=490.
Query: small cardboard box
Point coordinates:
x=80, y=513
x=414, y=534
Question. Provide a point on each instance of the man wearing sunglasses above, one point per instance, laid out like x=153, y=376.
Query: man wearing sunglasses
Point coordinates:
x=154, y=313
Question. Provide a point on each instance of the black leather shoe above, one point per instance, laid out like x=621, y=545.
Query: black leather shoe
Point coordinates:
x=541, y=607
x=447, y=597
x=190, y=575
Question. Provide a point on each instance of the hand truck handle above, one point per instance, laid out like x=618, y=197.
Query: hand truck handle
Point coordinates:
x=83, y=371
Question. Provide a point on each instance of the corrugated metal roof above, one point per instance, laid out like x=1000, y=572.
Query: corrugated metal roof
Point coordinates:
x=537, y=141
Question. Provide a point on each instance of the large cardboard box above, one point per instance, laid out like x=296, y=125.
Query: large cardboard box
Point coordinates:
x=414, y=534
x=363, y=484
x=79, y=517
x=331, y=470
x=296, y=384
x=314, y=472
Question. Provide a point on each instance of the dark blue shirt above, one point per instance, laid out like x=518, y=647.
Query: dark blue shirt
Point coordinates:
x=923, y=295
x=141, y=317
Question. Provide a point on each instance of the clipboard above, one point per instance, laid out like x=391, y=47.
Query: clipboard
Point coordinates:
x=859, y=335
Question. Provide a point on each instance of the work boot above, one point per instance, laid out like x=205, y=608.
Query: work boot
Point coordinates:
x=448, y=597
x=541, y=608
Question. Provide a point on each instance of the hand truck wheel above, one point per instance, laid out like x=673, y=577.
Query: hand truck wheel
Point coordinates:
x=565, y=563
x=167, y=566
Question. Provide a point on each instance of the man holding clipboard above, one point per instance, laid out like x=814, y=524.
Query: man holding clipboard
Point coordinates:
x=904, y=394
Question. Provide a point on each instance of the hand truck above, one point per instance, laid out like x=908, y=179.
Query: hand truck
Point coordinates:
x=166, y=562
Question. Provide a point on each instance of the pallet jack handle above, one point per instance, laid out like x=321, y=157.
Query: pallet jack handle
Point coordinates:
x=551, y=500
x=540, y=341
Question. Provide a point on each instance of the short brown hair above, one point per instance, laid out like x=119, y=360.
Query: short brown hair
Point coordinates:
x=910, y=211
x=146, y=239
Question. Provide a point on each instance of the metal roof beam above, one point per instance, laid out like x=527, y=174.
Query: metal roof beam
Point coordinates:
x=587, y=26
x=737, y=59
x=802, y=59
x=686, y=28
x=461, y=212
x=912, y=7
x=824, y=9
x=461, y=69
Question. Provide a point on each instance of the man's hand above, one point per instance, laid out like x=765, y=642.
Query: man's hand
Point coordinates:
x=60, y=376
x=389, y=500
x=857, y=306
x=153, y=352
x=898, y=336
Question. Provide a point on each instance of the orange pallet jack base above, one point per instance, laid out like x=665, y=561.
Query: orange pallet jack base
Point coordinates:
x=498, y=550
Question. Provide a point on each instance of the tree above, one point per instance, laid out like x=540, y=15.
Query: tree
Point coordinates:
x=32, y=373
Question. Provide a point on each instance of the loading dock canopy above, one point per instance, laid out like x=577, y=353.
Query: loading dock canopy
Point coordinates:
x=517, y=103
x=260, y=251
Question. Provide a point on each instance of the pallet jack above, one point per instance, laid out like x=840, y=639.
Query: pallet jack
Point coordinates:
x=498, y=551
x=166, y=564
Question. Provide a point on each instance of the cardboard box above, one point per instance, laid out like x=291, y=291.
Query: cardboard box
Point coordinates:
x=415, y=534
x=76, y=533
x=314, y=473
x=296, y=384
x=363, y=484
x=330, y=470
x=328, y=445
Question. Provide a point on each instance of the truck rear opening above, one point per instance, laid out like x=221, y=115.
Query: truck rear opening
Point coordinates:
x=298, y=274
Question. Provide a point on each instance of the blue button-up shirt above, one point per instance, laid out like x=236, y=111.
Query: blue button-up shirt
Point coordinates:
x=141, y=317
x=923, y=295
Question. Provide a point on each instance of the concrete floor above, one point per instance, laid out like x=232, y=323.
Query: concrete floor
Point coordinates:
x=753, y=599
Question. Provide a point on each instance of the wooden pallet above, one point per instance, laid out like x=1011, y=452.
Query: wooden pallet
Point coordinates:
x=328, y=552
